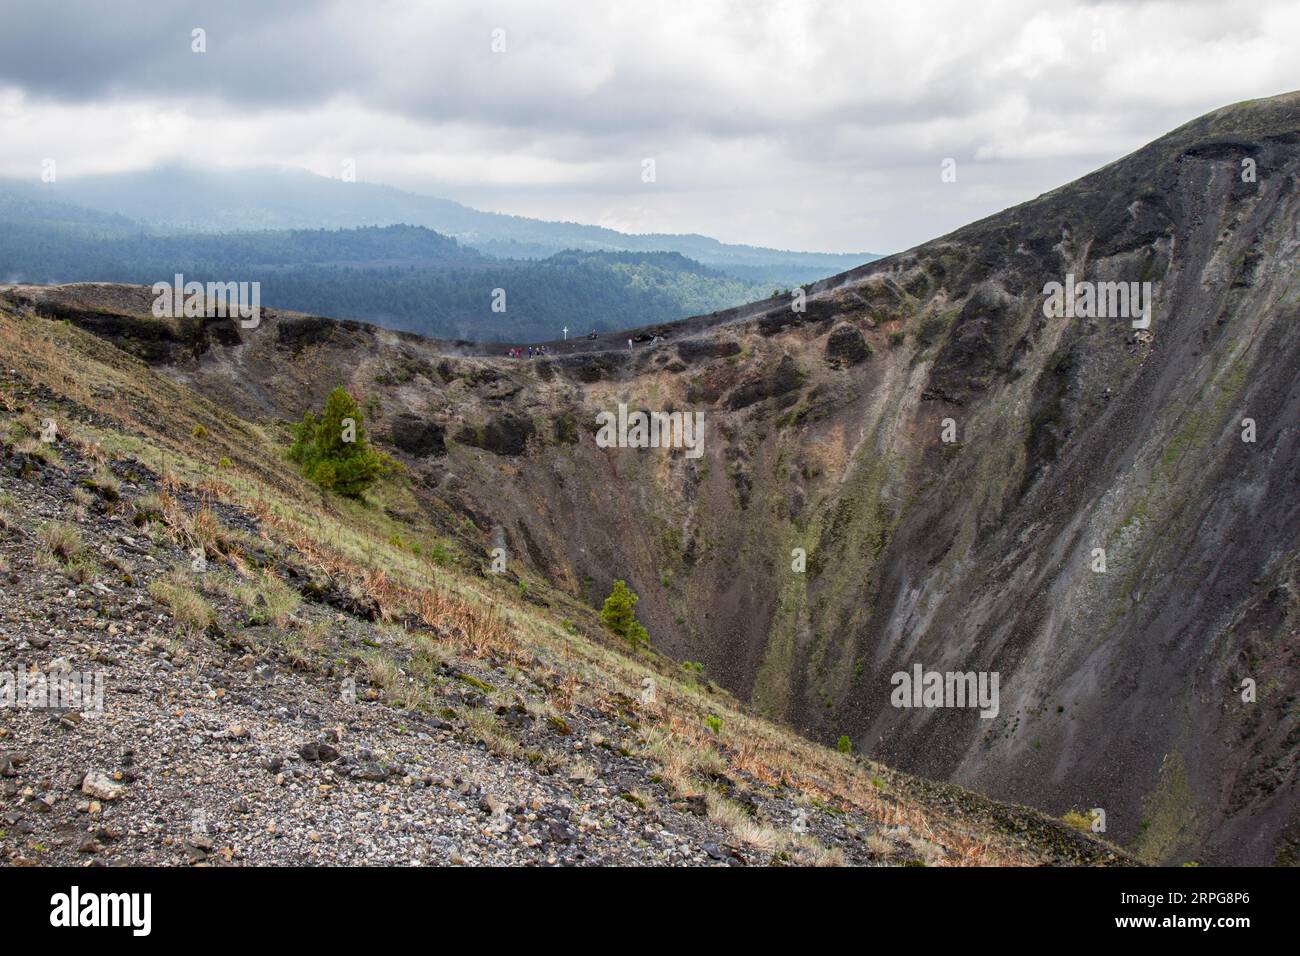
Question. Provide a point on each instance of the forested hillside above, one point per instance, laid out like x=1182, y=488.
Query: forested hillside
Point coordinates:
x=404, y=277
x=183, y=199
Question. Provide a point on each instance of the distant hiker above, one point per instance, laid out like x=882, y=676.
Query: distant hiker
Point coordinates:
x=629, y=343
x=592, y=336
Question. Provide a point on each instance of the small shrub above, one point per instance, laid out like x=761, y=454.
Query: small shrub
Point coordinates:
x=333, y=451
x=148, y=508
x=844, y=745
x=106, y=483
x=199, y=432
x=714, y=723
x=618, y=615
x=1080, y=821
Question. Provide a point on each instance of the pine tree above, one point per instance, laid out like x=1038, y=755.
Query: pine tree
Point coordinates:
x=333, y=451
x=617, y=613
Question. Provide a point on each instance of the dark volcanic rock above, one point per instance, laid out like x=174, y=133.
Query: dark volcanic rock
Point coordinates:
x=692, y=350
x=507, y=435
x=297, y=333
x=846, y=346
x=786, y=377
x=418, y=436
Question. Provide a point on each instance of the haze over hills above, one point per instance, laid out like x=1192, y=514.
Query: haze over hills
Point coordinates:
x=949, y=457
x=188, y=199
x=403, y=277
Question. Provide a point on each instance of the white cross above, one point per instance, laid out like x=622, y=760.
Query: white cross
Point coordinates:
x=566, y=333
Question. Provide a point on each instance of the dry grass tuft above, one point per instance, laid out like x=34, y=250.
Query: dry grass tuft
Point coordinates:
x=188, y=607
x=62, y=542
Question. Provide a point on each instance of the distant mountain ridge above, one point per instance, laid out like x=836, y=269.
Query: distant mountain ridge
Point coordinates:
x=402, y=277
x=184, y=199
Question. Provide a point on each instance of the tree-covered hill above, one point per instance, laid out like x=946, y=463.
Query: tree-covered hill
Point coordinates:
x=404, y=277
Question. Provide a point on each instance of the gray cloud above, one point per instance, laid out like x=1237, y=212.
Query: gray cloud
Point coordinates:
x=815, y=125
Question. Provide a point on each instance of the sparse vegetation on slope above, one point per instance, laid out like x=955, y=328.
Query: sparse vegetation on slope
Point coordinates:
x=519, y=713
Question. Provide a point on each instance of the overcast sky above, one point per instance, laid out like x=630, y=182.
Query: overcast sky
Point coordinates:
x=809, y=125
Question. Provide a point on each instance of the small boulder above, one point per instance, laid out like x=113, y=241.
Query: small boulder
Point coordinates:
x=98, y=785
x=846, y=346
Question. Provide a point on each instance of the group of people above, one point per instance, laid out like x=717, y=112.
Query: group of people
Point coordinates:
x=538, y=351
x=533, y=351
